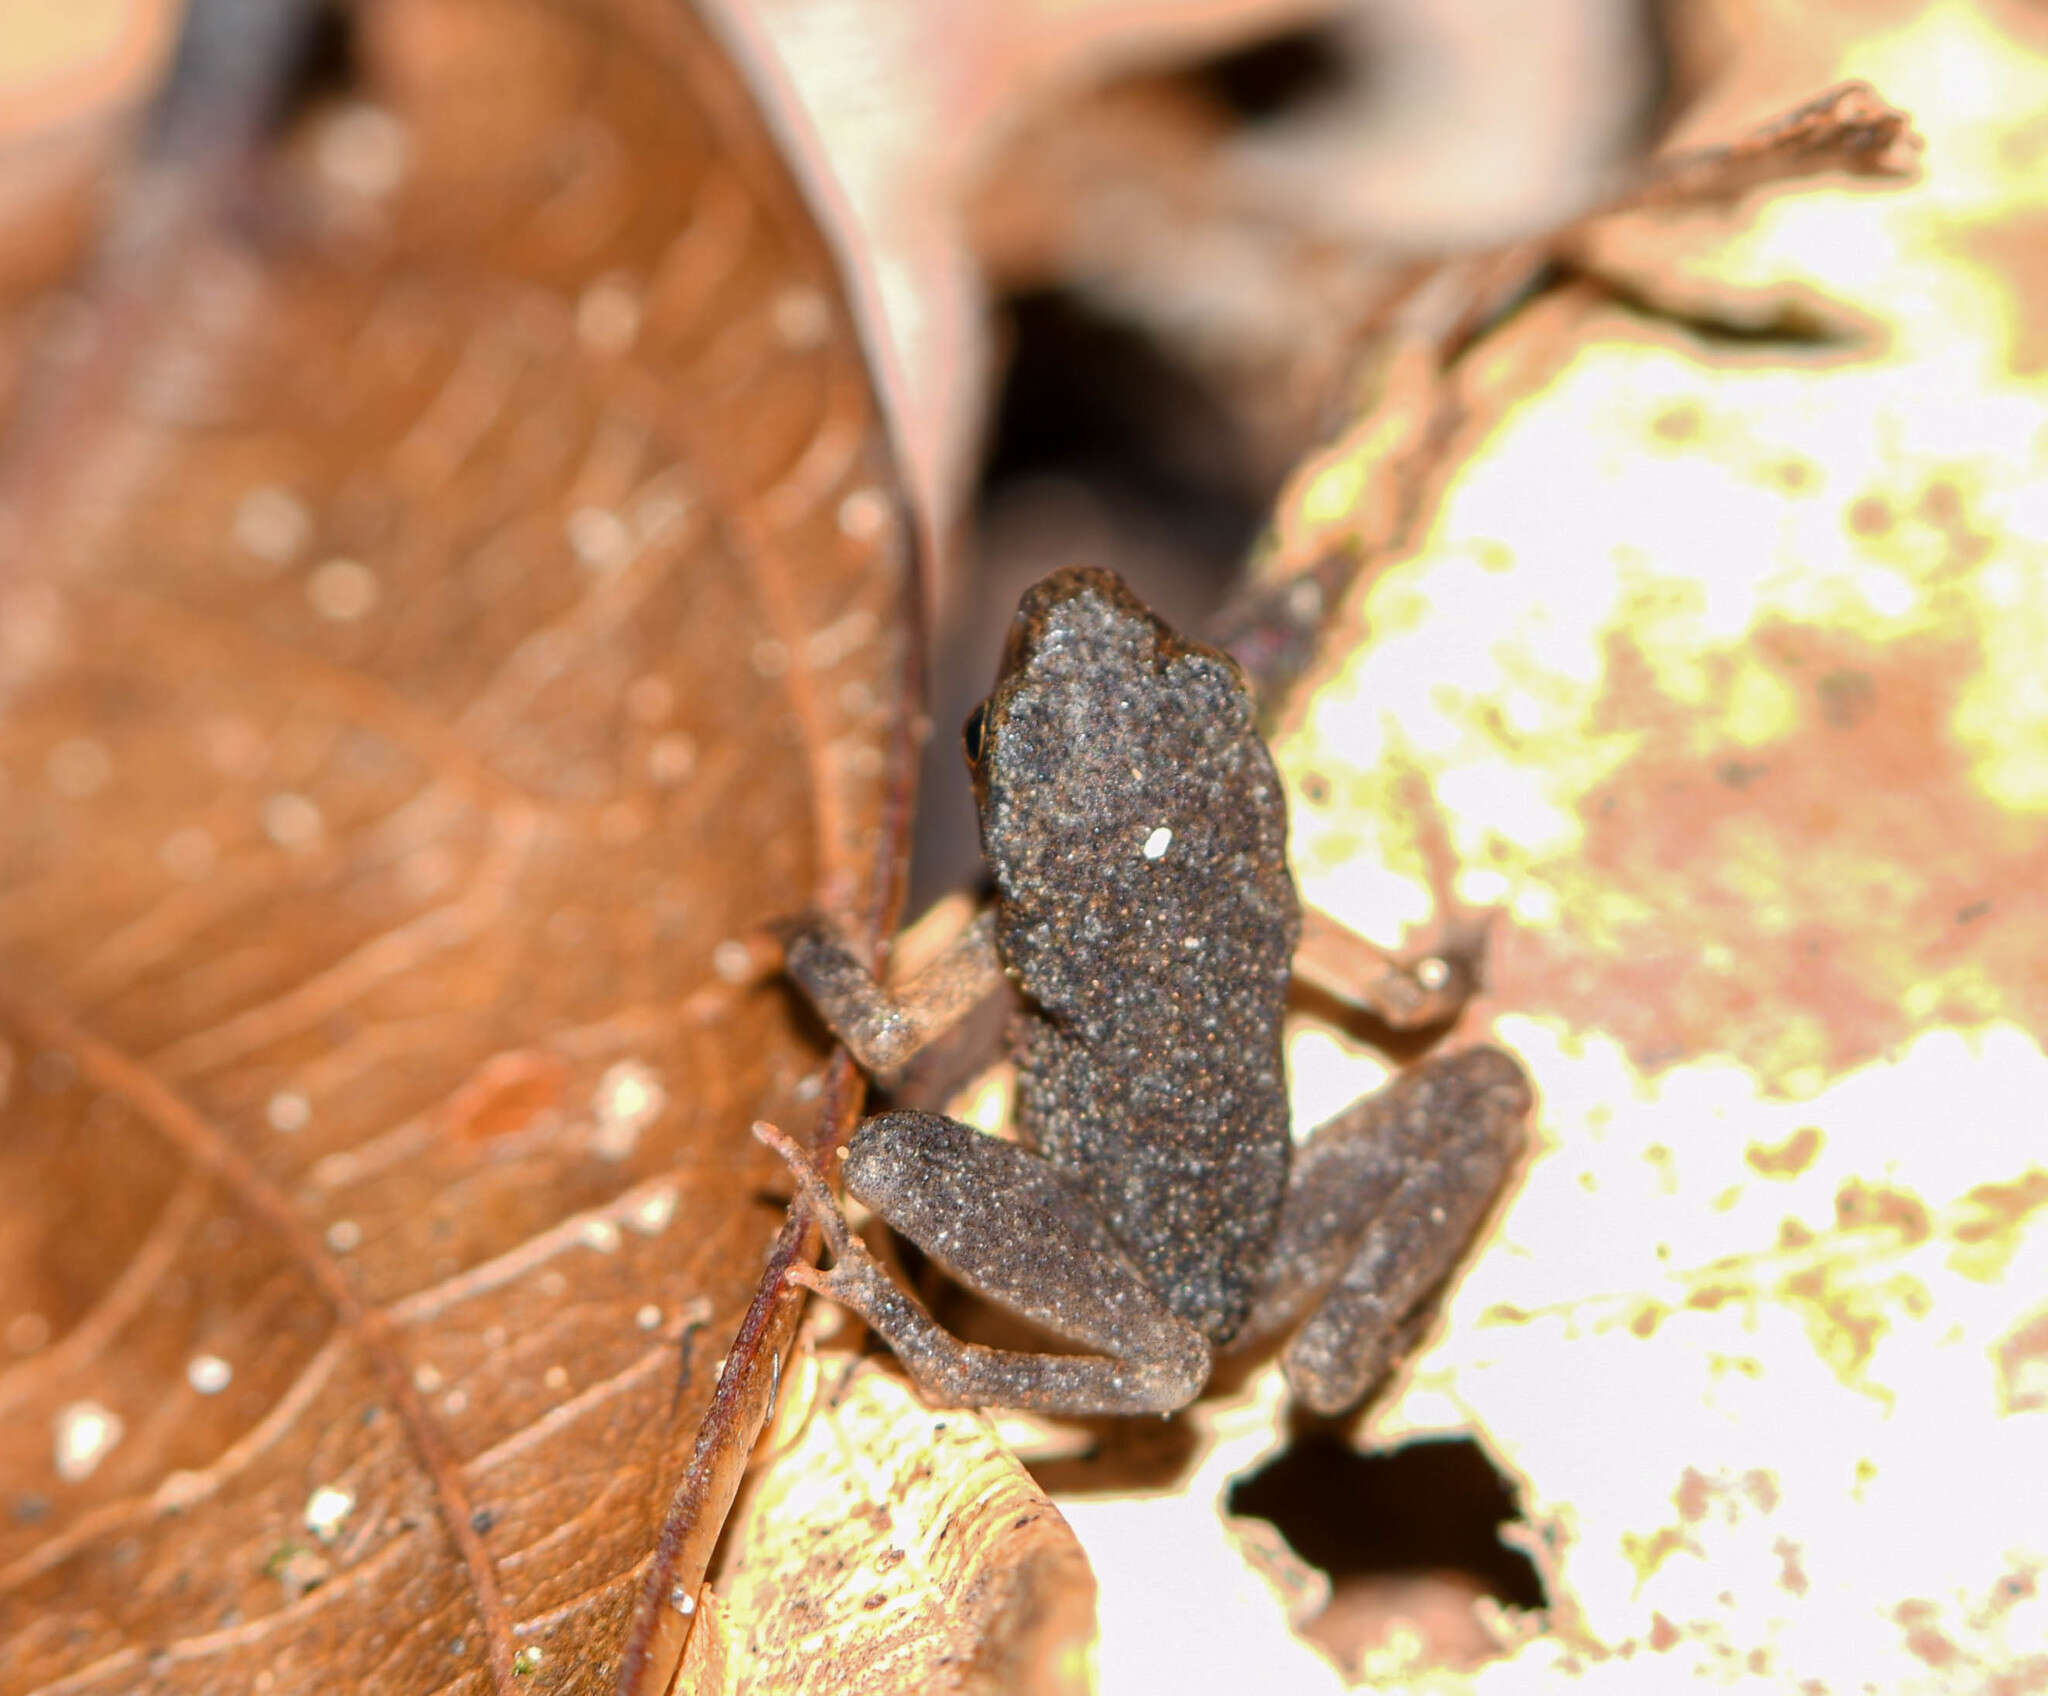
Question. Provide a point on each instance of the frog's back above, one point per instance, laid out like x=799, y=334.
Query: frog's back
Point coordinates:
x=1136, y=829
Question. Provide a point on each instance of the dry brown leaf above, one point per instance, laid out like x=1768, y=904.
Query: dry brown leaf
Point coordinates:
x=461, y=595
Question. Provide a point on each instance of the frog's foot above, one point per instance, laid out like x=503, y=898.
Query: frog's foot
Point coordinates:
x=915, y=1169
x=813, y=1195
x=856, y=1282
x=855, y=1278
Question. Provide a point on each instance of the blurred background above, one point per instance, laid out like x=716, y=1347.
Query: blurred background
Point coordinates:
x=1127, y=260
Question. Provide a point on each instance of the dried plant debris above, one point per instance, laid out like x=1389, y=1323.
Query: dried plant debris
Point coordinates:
x=890, y=1546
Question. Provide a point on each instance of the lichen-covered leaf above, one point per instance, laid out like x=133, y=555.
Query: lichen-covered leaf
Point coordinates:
x=1716, y=670
x=889, y=1546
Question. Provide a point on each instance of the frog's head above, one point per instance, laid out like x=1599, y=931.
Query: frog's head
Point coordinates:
x=1103, y=722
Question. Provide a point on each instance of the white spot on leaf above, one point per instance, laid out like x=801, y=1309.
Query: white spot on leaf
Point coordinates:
x=364, y=150
x=803, y=317
x=671, y=758
x=650, y=1215
x=608, y=315
x=208, y=1374
x=85, y=1434
x=288, y=1112
x=292, y=821
x=598, y=537
x=863, y=514
x=629, y=1098
x=327, y=1510
x=272, y=525
x=342, y=590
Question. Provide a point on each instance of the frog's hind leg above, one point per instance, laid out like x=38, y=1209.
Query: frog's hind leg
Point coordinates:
x=1381, y=1203
x=1003, y=1222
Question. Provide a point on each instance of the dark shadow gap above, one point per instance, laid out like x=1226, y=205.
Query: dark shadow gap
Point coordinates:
x=1778, y=324
x=1103, y=449
x=1409, y=1539
x=1282, y=74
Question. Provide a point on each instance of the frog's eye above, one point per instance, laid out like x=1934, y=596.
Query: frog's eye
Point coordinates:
x=971, y=733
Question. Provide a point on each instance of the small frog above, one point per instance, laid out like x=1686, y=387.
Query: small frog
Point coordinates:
x=1154, y=1209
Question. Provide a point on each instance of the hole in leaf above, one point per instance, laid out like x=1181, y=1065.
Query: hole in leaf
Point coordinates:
x=1410, y=1541
x=1283, y=73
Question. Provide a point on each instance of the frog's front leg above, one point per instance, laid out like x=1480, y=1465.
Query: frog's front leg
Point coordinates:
x=1380, y=1203
x=1004, y=1223
x=887, y=1026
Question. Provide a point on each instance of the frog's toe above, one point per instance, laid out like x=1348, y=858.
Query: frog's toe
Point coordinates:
x=812, y=1194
